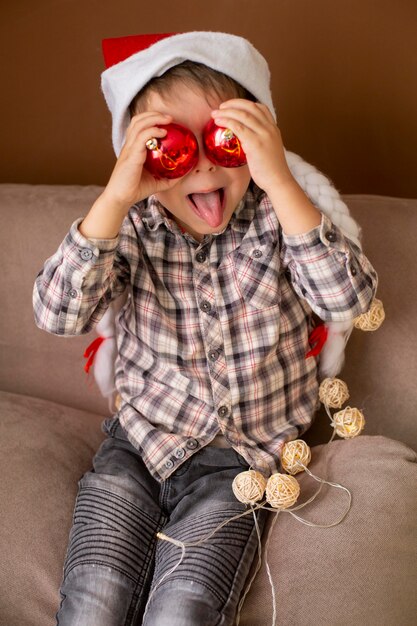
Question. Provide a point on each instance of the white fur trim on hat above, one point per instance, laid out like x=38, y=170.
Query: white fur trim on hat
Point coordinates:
x=232, y=55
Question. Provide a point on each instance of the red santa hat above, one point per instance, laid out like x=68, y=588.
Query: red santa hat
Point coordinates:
x=133, y=61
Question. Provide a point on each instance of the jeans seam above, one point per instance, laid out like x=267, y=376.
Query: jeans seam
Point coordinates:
x=131, y=615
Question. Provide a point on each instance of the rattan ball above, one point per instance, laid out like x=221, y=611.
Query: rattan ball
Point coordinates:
x=333, y=392
x=249, y=486
x=348, y=422
x=295, y=456
x=373, y=319
x=282, y=491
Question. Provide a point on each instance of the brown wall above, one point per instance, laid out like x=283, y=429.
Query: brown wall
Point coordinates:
x=344, y=82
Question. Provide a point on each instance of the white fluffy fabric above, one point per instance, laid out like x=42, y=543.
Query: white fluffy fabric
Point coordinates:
x=234, y=56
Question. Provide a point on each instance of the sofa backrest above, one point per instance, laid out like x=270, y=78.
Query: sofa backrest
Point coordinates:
x=381, y=366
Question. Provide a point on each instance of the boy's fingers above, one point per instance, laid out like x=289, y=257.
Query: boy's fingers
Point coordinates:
x=252, y=117
x=147, y=120
x=140, y=136
x=256, y=109
x=241, y=122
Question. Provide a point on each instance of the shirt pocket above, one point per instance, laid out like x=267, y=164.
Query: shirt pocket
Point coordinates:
x=257, y=268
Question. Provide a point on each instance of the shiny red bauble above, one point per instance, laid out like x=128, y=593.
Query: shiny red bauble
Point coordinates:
x=222, y=146
x=174, y=155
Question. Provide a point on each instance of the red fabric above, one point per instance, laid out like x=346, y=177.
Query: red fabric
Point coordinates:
x=117, y=49
x=91, y=351
x=317, y=339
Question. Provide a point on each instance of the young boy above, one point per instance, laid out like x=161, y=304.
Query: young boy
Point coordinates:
x=223, y=268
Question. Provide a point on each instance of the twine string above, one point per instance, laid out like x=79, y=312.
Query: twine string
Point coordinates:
x=252, y=511
x=258, y=567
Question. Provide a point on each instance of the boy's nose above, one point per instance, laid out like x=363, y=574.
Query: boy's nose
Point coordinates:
x=204, y=164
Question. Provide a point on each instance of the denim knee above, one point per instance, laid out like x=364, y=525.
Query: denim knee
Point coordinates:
x=97, y=594
x=182, y=603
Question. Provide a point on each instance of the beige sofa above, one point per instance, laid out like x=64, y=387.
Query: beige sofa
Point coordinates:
x=359, y=572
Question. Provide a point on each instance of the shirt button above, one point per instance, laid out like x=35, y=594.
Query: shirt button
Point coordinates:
x=201, y=256
x=169, y=464
x=86, y=254
x=353, y=270
x=179, y=453
x=223, y=411
x=192, y=444
x=73, y=293
x=214, y=355
x=257, y=254
x=331, y=235
x=205, y=306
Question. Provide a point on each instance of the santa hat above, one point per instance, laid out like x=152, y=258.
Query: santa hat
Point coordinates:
x=133, y=61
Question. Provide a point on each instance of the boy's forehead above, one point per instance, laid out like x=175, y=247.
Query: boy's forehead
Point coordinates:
x=186, y=104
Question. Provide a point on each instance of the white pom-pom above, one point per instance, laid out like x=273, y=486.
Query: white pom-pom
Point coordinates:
x=333, y=354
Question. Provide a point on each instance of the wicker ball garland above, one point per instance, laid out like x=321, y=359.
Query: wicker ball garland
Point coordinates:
x=282, y=491
x=295, y=456
x=333, y=392
x=373, y=319
x=348, y=423
x=249, y=486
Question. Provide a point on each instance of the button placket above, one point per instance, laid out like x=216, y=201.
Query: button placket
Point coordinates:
x=201, y=256
x=223, y=411
x=214, y=355
x=179, y=453
x=205, y=306
x=205, y=283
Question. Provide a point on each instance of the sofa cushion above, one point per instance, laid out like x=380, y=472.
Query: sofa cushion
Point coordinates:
x=359, y=572
x=44, y=450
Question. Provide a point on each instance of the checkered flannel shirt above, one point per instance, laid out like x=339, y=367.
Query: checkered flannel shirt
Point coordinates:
x=213, y=336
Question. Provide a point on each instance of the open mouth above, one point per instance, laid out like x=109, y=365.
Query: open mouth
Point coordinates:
x=209, y=206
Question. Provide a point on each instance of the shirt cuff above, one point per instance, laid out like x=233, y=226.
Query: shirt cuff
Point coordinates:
x=80, y=253
x=310, y=246
x=103, y=245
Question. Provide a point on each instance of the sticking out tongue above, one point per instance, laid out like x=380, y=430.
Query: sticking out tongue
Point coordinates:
x=209, y=206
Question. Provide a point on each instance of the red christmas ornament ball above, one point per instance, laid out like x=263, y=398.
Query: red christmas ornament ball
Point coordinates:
x=222, y=146
x=174, y=155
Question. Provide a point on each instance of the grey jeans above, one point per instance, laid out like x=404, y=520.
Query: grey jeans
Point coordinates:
x=115, y=562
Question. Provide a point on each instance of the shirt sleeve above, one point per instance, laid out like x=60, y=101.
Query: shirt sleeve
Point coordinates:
x=329, y=271
x=77, y=284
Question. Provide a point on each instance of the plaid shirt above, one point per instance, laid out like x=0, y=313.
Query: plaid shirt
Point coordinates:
x=213, y=336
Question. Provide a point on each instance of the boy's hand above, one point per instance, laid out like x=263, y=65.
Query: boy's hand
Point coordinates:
x=130, y=182
x=260, y=137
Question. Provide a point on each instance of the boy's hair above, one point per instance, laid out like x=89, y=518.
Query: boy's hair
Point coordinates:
x=191, y=74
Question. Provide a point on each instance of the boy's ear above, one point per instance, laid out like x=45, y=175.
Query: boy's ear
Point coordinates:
x=117, y=49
